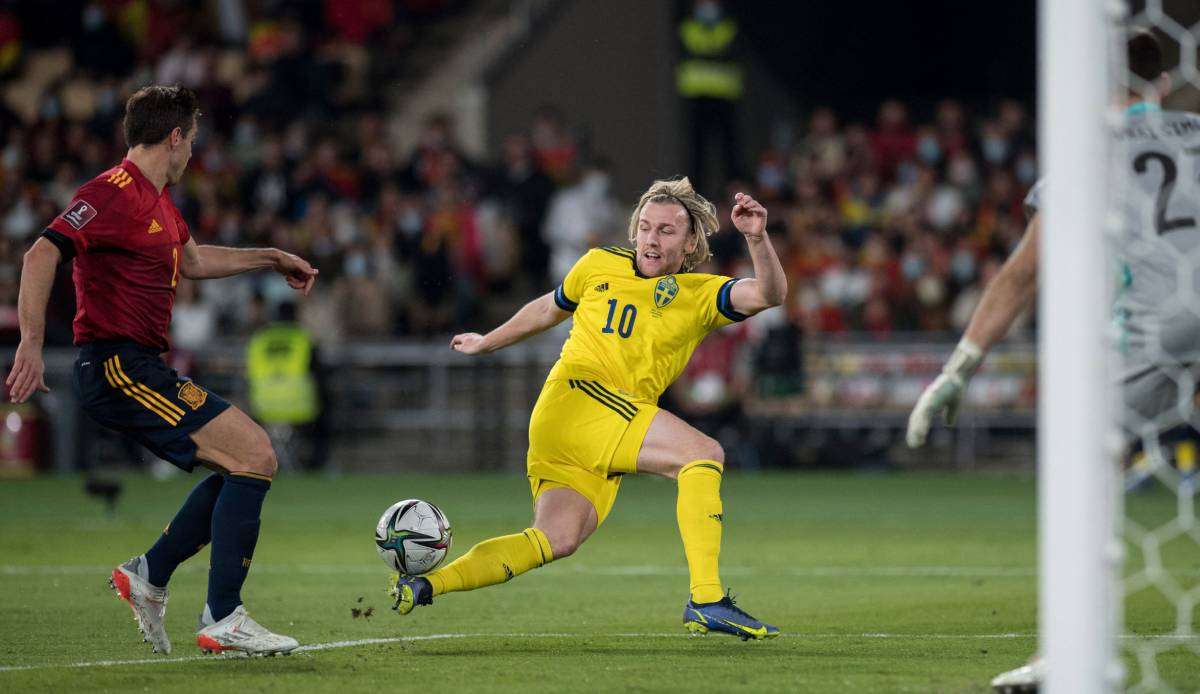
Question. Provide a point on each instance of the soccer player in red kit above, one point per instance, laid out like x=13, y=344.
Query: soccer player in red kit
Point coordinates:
x=130, y=246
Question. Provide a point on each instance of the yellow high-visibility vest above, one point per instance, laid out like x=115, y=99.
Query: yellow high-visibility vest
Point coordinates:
x=706, y=72
x=279, y=369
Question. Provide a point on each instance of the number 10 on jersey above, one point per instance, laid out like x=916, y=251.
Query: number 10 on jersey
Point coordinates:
x=625, y=325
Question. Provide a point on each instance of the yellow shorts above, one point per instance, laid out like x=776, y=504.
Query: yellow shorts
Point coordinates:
x=584, y=436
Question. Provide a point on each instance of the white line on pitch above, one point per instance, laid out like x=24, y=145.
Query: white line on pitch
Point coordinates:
x=203, y=658
x=437, y=637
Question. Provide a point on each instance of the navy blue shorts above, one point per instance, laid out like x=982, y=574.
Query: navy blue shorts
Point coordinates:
x=129, y=388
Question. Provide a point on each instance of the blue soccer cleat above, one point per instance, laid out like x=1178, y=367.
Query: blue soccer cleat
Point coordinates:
x=727, y=617
x=409, y=591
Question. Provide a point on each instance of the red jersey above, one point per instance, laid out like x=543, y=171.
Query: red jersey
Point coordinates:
x=128, y=239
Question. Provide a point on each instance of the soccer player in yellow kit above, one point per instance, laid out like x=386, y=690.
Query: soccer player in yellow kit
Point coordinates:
x=639, y=314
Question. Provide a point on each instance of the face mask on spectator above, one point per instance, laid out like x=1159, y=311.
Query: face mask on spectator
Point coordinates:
x=93, y=17
x=906, y=173
x=271, y=193
x=1026, y=169
x=961, y=172
x=782, y=137
x=771, y=177
x=945, y=205
x=962, y=265
x=411, y=222
x=995, y=149
x=929, y=150
x=245, y=134
x=912, y=266
x=355, y=265
x=230, y=229
x=809, y=300
x=596, y=184
x=11, y=159
x=50, y=109
x=107, y=100
x=708, y=12
x=214, y=159
x=345, y=224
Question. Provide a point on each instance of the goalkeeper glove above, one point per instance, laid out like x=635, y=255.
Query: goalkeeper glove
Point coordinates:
x=945, y=393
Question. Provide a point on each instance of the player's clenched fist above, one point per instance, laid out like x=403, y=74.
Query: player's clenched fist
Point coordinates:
x=468, y=343
x=945, y=394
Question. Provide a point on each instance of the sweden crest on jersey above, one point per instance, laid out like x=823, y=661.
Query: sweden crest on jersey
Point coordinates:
x=665, y=291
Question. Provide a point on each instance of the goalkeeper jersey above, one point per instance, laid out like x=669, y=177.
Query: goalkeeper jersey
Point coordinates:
x=1155, y=236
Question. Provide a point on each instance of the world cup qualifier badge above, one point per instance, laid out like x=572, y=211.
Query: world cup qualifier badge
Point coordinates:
x=665, y=291
x=79, y=215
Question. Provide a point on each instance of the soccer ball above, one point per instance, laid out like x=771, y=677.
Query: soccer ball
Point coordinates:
x=413, y=537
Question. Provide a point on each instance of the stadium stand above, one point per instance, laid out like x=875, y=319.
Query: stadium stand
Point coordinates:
x=887, y=228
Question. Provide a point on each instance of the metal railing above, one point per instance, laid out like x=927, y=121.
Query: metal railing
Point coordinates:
x=420, y=406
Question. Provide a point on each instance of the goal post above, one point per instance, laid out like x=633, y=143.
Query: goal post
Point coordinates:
x=1077, y=502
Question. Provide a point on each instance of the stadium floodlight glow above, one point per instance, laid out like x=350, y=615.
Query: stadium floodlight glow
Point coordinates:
x=1076, y=468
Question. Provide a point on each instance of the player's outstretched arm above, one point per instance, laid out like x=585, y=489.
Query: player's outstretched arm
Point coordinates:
x=768, y=287
x=37, y=278
x=1008, y=294
x=211, y=262
x=537, y=316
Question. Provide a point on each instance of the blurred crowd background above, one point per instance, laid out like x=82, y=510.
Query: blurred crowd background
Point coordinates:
x=889, y=220
x=886, y=225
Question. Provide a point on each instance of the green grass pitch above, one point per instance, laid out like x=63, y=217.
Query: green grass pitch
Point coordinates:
x=913, y=582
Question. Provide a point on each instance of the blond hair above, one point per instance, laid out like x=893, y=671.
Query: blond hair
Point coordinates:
x=702, y=215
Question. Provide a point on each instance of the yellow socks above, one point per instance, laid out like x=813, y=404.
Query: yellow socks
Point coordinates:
x=698, y=511
x=493, y=561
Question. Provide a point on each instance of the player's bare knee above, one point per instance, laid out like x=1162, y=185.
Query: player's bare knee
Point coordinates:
x=261, y=458
x=564, y=546
x=563, y=543
x=702, y=448
x=267, y=462
x=711, y=449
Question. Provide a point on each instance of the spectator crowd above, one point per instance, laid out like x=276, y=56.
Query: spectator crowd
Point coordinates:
x=884, y=227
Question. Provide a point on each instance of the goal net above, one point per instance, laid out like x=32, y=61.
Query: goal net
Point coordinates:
x=1119, y=345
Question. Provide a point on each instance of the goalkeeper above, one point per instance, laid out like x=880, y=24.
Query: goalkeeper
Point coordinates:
x=1157, y=334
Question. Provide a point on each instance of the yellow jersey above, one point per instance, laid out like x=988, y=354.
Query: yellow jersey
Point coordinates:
x=632, y=332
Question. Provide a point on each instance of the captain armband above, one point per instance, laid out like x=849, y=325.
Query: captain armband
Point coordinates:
x=65, y=246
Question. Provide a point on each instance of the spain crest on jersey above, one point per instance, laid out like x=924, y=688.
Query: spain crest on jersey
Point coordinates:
x=665, y=291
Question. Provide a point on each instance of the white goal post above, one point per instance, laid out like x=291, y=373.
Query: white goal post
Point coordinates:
x=1077, y=472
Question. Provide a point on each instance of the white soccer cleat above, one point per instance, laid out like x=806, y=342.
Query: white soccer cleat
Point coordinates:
x=148, y=602
x=1023, y=680
x=240, y=634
